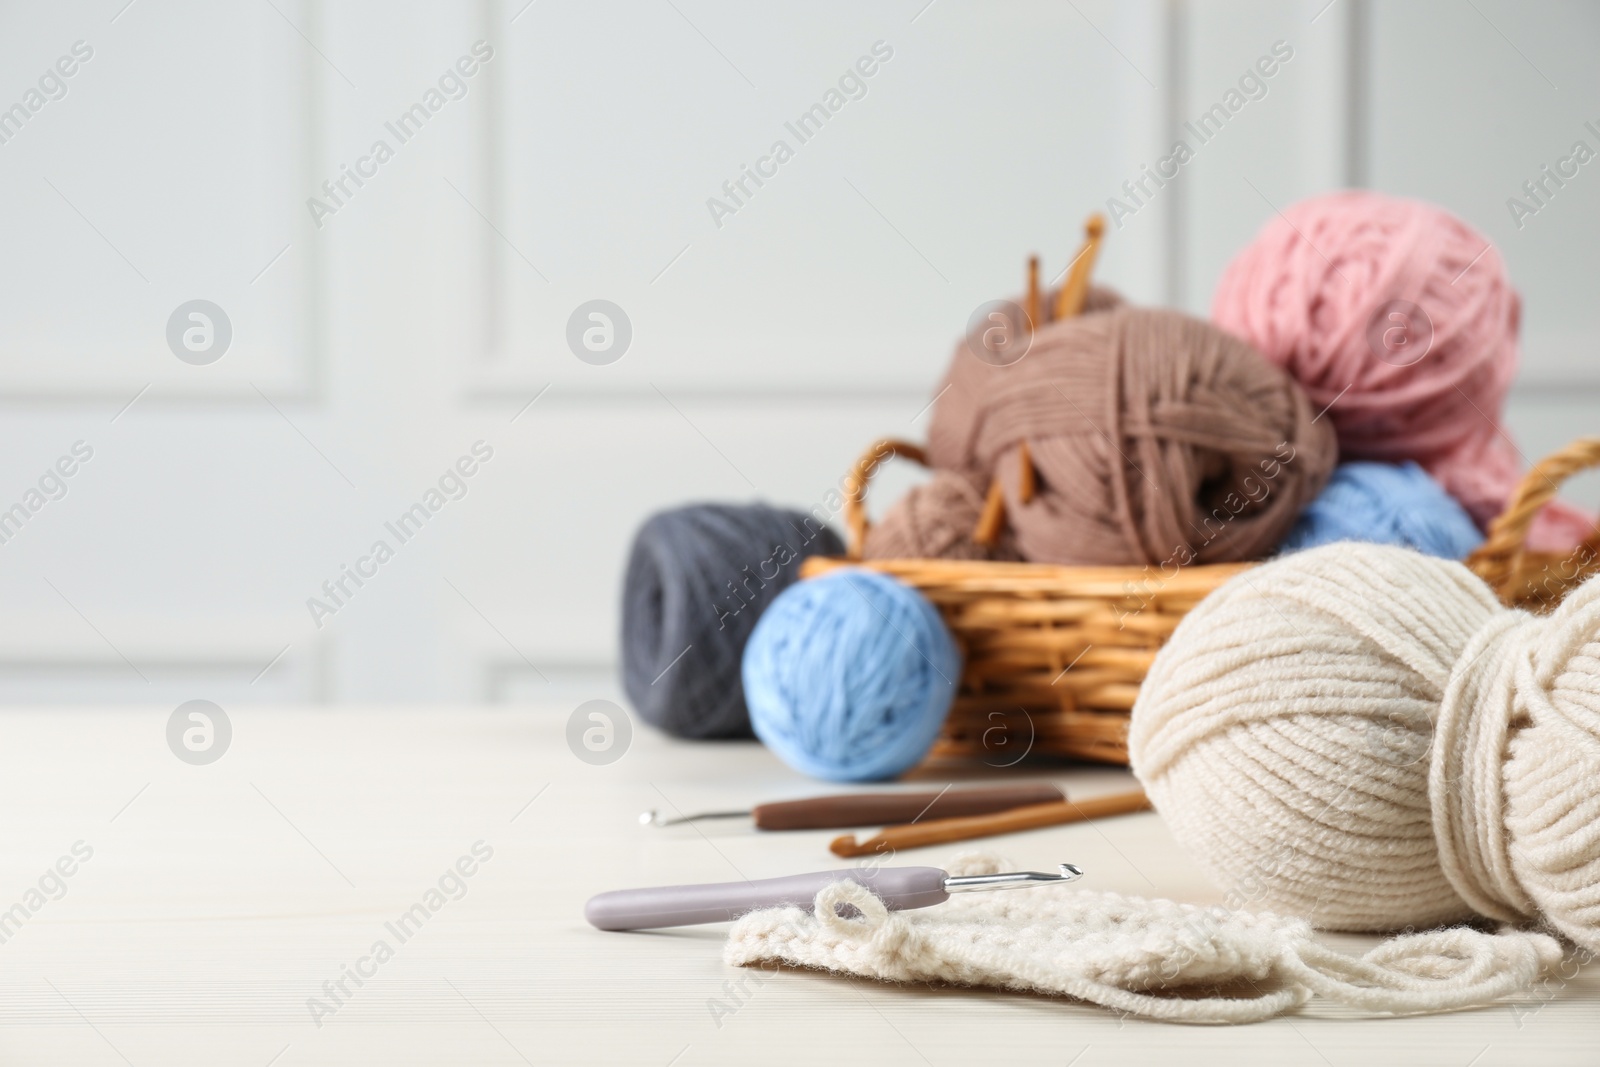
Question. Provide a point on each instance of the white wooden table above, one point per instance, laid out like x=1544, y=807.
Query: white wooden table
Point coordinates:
x=219, y=899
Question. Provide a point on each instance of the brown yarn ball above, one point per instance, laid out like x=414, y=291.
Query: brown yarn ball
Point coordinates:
x=935, y=520
x=1155, y=438
x=962, y=389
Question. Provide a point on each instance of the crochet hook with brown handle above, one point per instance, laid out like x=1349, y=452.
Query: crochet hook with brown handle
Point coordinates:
x=877, y=809
x=939, y=831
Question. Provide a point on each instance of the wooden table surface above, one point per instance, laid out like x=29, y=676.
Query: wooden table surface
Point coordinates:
x=217, y=901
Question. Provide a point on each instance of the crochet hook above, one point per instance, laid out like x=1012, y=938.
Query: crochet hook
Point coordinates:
x=940, y=831
x=899, y=888
x=876, y=809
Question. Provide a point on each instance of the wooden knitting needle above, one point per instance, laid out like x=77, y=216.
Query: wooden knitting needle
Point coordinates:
x=1069, y=301
x=1034, y=303
x=1026, y=479
x=993, y=518
x=940, y=831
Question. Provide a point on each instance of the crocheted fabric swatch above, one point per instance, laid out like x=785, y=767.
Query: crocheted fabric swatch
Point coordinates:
x=1154, y=958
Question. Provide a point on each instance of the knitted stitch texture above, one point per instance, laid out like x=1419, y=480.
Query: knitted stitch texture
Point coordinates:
x=1154, y=958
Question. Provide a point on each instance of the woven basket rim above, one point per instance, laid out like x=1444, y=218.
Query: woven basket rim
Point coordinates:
x=1027, y=629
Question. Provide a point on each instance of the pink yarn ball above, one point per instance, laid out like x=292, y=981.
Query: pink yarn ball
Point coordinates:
x=1317, y=292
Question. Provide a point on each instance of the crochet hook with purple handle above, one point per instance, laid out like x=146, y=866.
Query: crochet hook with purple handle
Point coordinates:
x=899, y=888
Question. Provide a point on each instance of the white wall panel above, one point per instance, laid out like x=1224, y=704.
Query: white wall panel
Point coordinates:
x=1469, y=134
x=1285, y=141
x=992, y=131
x=767, y=353
x=166, y=171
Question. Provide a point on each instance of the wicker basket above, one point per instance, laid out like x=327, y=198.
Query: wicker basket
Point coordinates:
x=1054, y=656
x=1538, y=580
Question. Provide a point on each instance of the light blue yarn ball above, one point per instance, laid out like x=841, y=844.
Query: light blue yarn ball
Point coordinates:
x=1387, y=504
x=848, y=677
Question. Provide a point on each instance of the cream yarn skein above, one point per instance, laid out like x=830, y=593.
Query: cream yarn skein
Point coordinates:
x=1362, y=736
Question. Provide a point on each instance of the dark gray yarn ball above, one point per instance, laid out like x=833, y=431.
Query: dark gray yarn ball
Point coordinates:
x=698, y=578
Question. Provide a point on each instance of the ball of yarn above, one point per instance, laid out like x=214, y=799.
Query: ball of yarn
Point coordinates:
x=698, y=577
x=962, y=393
x=1154, y=438
x=1362, y=736
x=849, y=676
x=1317, y=292
x=1386, y=504
x=936, y=520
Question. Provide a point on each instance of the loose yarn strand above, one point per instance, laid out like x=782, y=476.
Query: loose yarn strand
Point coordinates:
x=1459, y=968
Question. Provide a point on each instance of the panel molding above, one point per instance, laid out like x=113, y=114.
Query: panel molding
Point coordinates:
x=306, y=369
x=46, y=644
x=494, y=369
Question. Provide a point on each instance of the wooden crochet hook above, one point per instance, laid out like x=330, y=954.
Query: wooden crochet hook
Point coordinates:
x=940, y=831
x=1035, y=305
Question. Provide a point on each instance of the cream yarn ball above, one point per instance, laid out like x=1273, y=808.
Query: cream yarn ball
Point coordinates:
x=1364, y=737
